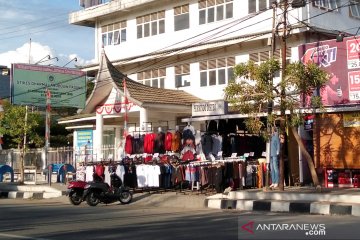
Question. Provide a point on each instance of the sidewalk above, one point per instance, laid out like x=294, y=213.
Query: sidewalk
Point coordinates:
x=293, y=200
x=36, y=191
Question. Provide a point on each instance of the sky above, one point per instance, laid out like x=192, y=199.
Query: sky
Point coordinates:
x=46, y=23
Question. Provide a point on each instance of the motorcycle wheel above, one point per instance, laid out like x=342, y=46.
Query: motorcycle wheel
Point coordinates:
x=125, y=197
x=75, y=199
x=92, y=200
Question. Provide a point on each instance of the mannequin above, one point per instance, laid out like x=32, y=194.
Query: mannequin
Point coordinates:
x=176, y=128
x=274, y=156
x=159, y=129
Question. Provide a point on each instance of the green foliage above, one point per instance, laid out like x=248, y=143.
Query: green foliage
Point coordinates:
x=12, y=123
x=253, y=89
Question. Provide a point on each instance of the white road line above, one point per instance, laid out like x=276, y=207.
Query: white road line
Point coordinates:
x=20, y=237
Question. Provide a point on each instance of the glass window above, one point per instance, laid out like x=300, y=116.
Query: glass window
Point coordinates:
x=203, y=79
x=181, y=22
x=202, y=17
x=221, y=76
x=355, y=8
x=219, y=13
x=212, y=77
x=262, y=5
x=123, y=35
x=252, y=6
x=230, y=73
x=327, y=4
x=162, y=83
x=155, y=83
x=110, y=38
x=229, y=10
x=161, y=26
x=139, y=31
x=104, y=39
x=211, y=15
x=116, y=37
x=154, y=28
x=146, y=29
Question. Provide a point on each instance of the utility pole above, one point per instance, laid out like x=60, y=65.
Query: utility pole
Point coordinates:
x=270, y=103
x=282, y=94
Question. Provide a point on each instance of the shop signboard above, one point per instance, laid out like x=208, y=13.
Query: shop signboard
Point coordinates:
x=351, y=119
x=84, y=137
x=342, y=61
x=29, y=83
x=209, y=108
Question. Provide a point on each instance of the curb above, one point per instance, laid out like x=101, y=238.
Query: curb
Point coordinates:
x=299, y=207
x=31, y=195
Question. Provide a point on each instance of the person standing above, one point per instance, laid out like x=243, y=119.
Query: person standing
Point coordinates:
x=274, y=158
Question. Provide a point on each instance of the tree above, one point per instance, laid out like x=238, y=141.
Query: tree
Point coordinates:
x=20, y=125
x=253, y=91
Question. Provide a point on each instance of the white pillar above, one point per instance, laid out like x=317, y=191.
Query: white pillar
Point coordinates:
x=117, y=155
x=98, y=143
x=144, y=119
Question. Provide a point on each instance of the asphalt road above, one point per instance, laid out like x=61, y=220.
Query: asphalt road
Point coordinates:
x=57, y=219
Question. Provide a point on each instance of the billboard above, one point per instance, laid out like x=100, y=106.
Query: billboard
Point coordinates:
x=342, y=61
x=29, y=84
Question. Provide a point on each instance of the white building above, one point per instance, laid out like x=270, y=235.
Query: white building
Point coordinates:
x=193, y=45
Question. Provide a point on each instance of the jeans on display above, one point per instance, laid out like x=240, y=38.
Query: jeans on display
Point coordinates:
x=274, y=167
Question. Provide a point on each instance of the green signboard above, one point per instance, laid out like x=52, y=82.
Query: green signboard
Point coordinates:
x=29, y=83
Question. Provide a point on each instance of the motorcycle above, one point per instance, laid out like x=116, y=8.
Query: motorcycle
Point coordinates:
x=101, y=192
x=76, y=191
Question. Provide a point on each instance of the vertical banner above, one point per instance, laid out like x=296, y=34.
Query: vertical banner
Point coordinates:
x=126, y=102
x=48, y=120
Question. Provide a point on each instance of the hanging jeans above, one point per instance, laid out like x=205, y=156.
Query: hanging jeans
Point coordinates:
x=274, y=167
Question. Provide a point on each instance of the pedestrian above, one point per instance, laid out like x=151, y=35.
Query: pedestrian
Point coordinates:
x=274, y=157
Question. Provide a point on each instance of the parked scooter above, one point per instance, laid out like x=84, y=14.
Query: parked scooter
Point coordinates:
x=76, y=191
x=101, y=192
x=76, y=188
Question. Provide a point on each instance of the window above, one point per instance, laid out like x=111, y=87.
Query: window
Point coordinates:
x=182, y=75
x=153, y=78
x=257, y=5
x=151, y=24
x=113, y=34
x=181, y=17
x=215, y=10
x=355, y=8
x=216, y=71
x=259, y=57
x=326, y=4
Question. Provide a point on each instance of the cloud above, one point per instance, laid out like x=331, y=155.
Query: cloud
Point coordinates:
x=39, y=54
x=25, y=54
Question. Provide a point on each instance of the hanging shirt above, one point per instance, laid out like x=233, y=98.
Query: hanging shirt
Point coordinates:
x=176, y=142
x=168, y=141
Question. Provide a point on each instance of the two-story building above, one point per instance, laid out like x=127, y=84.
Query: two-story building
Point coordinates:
x=190, y=46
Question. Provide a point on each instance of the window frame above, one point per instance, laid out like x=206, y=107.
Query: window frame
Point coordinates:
x=109, y=32
x=354, y=7
x=210, y=71
x=181, y=15
x=150, y=24
x=150, y=77
x=209, y=13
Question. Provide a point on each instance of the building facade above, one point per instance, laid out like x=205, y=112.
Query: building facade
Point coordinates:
x=193, y=45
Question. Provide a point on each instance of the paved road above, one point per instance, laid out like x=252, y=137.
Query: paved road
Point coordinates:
x=57, y=219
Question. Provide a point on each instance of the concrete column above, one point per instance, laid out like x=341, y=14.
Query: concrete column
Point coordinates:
x=117, y=143
x=98, y=138
x=144, y=118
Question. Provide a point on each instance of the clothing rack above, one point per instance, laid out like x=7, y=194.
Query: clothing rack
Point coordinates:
x=151, y=125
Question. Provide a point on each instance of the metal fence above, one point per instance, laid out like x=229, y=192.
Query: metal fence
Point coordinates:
x=36, y=157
